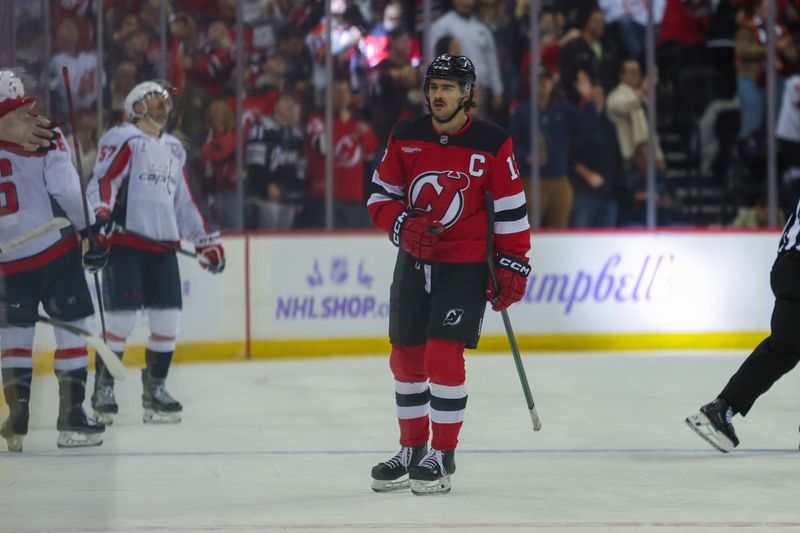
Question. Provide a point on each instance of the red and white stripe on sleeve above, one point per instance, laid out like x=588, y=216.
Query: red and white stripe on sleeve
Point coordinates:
x=388, y=198
x=511, y=227
x=112, y=168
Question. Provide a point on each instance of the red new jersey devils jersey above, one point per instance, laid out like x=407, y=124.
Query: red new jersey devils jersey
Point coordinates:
x=444, y=178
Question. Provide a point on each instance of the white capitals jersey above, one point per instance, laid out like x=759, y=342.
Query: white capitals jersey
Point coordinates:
x=34, y=190
x=142, y=181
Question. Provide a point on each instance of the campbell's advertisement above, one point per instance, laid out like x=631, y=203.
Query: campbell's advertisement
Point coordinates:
x=281, y=287
x=581, y=283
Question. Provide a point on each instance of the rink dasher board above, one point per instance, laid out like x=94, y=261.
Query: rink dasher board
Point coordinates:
x=318, y=294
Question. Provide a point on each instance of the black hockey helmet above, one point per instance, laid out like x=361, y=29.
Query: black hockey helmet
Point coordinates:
x=455, y=68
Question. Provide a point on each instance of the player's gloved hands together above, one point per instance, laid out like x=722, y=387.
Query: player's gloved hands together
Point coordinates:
x=94, y=251
x=415, y=234
x=210, y=253
x=103, y=224
x=512, y=279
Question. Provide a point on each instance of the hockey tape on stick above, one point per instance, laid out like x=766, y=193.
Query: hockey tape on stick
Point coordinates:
x=34, y=233
x=112, y=362
x=512, y=340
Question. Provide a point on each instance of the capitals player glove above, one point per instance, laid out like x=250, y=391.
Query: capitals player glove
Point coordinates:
x=415, y=234
x=95, y=251
x=210, y=253
x=512, y=279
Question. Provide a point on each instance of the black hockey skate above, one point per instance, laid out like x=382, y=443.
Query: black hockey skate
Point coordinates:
x=104, y=403
x=14, y=428
x=432, y=474
x=713, y=424
x=392, y=475
x=77, y=429
x=159, y=406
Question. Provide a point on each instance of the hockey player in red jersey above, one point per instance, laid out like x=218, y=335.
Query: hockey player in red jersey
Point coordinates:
x=35, y=187
x=140, y=183
x=429, y=197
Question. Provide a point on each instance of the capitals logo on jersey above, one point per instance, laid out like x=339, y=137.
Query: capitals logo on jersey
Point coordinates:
x=439, y=194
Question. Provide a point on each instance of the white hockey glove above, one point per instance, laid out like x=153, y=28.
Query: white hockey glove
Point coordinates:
x=210, y=253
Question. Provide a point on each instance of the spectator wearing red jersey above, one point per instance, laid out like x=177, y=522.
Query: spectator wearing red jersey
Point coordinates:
x=82, y=71
x=218, y=160
x=394, y=87
x=354, y=146
x=681, y=38
x=212, y=66
x=79, y=12
x=375, y=45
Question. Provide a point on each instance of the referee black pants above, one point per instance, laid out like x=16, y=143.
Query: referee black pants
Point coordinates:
x=778, y=353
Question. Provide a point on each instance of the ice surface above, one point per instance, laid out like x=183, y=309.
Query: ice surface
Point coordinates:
x=288, y=446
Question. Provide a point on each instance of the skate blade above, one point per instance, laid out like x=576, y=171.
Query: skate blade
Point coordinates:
x=701, y=425
x=14, y=443
x=105, y=418
x=160, y=417
x=75, y=439
x=421, y=487
x=382, y=485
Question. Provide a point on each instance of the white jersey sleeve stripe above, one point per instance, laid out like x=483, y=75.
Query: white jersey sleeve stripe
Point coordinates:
x=509, y=202
x=376, y=198
x=390, y=189
x=515, y=226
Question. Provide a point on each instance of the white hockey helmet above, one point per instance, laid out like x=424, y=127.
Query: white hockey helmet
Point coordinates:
x=11, y=86
x=141, y=92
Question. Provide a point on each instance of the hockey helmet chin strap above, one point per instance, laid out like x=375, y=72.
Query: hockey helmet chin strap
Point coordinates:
x=467, y=87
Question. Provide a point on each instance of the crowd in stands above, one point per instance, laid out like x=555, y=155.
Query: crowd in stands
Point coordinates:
x=593, y=126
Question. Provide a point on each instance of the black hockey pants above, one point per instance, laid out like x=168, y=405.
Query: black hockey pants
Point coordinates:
x=778, y=353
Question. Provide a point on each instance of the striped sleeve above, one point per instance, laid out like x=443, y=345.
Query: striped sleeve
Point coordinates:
x=112, y=168
x=191, y=223
x=63, y=183
x=511, y=227
x=388, y=196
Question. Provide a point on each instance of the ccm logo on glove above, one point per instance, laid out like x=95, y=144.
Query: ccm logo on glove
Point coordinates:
x=512, y=280
x=415, y=234
x=505, y=261
x=398, y=225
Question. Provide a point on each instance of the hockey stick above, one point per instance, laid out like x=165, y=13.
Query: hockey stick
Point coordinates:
x=162, y=244
x=112, y=362
x=89, y=232
x=34, y=233
x=512, y=340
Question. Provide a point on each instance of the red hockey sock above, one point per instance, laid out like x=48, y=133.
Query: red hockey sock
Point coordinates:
x=411, y=394
x=444, y=362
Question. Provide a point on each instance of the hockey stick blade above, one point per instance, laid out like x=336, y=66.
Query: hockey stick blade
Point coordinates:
x=112, y=362
x=34, y=233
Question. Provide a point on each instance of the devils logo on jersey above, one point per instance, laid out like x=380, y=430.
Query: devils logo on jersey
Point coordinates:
x=439, y=194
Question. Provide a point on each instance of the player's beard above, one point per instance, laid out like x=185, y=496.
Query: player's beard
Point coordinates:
x=444, y=113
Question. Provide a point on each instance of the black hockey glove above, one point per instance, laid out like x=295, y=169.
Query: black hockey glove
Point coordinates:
x=95, y=251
